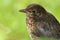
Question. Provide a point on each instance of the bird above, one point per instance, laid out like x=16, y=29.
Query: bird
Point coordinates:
x=41, y=23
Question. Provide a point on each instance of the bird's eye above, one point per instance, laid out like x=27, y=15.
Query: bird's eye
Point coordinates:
x=33, y=11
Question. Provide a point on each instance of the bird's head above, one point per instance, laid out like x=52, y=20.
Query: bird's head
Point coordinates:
x=33, y=9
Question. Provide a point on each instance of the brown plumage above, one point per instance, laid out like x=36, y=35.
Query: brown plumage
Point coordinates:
x=41, y=23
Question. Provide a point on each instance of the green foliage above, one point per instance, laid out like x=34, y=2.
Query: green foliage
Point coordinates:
x=12, y=22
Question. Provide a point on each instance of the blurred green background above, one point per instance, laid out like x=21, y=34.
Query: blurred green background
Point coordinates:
x=12, y=22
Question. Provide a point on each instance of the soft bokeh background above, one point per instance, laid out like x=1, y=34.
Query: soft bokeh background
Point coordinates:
x=12, y=22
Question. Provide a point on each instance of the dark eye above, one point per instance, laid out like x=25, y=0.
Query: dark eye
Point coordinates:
x=33, y=11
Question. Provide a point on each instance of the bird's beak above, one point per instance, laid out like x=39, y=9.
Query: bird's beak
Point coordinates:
x=22, y=10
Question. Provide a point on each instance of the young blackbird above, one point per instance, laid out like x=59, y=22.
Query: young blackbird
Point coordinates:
x=41, y=23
